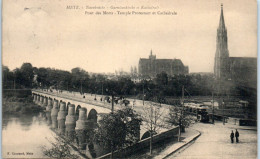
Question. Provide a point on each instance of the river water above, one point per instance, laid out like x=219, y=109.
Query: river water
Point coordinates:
x=24, y=135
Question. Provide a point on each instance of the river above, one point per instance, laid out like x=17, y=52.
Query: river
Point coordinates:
x=24, y=135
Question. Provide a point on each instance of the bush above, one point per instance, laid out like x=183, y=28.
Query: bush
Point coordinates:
x=60, y=149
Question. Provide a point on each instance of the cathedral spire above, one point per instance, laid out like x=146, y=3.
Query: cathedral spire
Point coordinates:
x=221, y=67
x=221, y=20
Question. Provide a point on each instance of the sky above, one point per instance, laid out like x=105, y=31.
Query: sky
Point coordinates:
x=47, y=34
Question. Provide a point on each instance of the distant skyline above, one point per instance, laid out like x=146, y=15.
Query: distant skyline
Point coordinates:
x=46, y=34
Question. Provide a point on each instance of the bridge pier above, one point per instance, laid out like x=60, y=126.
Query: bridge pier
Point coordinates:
x=45, y=101
x=70, y=122
x=41, y=101
x=61, y=118
x=48, y=111
x=34, y=98
x=38, y=100
x=81, y=127
x=54, y=114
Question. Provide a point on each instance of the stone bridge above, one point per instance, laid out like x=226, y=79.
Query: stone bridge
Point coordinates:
x=48, y=100
x=64, y=109
x=94, y=108
x=71, y=113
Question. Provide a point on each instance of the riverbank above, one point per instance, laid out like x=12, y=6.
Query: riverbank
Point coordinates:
x=21, y=102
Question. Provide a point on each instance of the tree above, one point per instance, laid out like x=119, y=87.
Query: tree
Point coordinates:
x=27, y=74
x=18, y=78
x=178, y=117
x=60, y=149
x=7, y=78
x=118, y=130
x=162, y=79
x=42, y=77
x=79, y=78
x=152, y=120
x=125, y=85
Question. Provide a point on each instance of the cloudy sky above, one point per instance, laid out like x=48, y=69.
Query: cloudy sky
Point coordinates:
x=46, y=34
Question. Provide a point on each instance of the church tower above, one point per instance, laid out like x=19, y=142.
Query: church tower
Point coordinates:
x=221, y=67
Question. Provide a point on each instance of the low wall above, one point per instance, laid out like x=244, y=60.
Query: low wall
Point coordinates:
x=143, y=144
x=247, y=122
x=242, y=122
x=234, y=121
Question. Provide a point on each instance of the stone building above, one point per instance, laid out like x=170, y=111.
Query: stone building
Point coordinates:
x=152, y=66
x=235, y=76
x=243, y=69
x=231, y=68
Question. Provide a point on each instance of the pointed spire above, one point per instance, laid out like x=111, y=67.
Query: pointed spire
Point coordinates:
x=221, y=20
x=151, y=52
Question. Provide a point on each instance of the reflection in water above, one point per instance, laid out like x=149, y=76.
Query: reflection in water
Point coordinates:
x=23, y=136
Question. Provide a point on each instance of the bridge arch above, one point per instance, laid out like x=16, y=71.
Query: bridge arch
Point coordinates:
x=60, y=103
x=77, y=111
x=147, y=134
x=92, y=150
x=64, y=105
x=67, y=107
x=92, y=115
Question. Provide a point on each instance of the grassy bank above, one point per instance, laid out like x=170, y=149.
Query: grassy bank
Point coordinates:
x=21, y=103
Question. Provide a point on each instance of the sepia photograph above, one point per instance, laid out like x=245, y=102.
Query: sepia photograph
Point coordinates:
x=129, y=79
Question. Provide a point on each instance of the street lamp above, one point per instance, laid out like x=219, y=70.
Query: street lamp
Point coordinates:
x=81, y=86
x=95, y=93
x=102, y=91
x=182, y=114
x=134, y=97
x=143, y=92
x=213, y=101
x=213, y=106
x=112, y=101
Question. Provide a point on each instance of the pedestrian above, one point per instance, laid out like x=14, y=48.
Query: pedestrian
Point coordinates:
x=232, y=137
x=237, y=135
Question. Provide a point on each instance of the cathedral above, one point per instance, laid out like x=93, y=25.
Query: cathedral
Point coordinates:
x=151, y=67
x=241, y=69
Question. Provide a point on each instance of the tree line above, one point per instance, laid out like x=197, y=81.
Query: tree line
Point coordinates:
x=80, y=80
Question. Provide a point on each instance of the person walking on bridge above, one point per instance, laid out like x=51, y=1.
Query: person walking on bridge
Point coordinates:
x=237, y=135
x=232, y=136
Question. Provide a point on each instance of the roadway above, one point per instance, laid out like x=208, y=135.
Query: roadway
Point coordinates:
x=214, y=143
